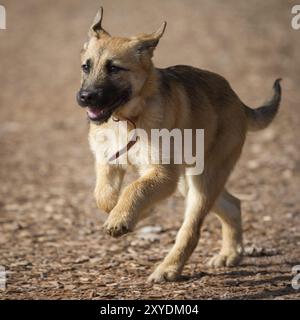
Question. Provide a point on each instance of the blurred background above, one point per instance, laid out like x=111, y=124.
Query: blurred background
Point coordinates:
x=51, y=240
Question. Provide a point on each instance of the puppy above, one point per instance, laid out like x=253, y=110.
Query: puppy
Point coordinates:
x=122, y=88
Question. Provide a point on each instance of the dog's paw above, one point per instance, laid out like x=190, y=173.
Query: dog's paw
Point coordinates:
x=117, y=225
x=164, y=273
x=225, y=260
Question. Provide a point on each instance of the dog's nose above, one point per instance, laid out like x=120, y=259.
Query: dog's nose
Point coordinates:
x=85, y=97
x=89, y=98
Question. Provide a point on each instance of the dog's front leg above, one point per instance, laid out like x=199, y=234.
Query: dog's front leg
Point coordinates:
x=108, y=185
x=155, y=184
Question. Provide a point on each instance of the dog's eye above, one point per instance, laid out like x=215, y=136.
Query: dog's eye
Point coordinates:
x=86, y=67
x=115, y=69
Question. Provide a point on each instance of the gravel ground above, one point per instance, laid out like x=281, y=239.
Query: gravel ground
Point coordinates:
x=51, y=238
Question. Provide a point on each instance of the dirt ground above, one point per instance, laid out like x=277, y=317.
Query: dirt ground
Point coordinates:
x=51, y=240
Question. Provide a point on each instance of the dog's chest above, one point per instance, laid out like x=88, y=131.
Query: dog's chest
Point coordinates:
x=113, y=144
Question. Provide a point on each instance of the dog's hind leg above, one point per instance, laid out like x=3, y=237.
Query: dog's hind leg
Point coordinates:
x=228, y=210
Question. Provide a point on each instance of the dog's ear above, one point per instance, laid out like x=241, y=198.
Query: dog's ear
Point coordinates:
x=147, y=43
x=96, y=29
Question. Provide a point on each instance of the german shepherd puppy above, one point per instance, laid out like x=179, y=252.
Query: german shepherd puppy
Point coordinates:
x=119, y=81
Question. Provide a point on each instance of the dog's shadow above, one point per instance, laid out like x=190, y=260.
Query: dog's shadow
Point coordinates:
x=232, y=277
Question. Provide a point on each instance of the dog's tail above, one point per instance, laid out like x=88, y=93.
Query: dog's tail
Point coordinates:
x=261, y=117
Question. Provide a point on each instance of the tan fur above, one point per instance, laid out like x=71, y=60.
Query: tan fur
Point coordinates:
x=195, y=99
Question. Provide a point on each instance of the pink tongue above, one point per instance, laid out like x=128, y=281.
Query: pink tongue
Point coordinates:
x=94, y=112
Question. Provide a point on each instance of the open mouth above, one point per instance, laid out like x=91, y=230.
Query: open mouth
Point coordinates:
x=97, y=114
x=101, y=114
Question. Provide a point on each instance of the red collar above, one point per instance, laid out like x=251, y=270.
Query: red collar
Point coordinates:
x=130, y=143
